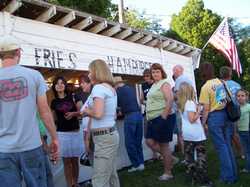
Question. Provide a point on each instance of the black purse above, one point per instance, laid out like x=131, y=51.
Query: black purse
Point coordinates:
x=232, y=110
x=84, y=159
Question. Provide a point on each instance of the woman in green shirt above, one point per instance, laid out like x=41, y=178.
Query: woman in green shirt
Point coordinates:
x=161, y=118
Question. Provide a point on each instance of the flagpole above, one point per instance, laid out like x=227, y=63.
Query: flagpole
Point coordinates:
x=209, y=40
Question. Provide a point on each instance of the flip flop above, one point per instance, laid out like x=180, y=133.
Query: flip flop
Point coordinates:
x=175, y=162
x=165, y=177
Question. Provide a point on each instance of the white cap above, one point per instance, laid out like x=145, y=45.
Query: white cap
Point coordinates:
x=9, y=43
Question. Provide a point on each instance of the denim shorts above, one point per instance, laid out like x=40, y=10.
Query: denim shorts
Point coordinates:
x=32, y=163
x=161, y=130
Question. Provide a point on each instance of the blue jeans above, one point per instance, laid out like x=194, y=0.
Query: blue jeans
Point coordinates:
x=133, y=131
x=218, y=126
x=244, y=138
x=33, y=164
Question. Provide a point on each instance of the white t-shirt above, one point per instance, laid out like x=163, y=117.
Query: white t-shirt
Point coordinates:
x=191, y=131
x=85, y=120
x=110, y=103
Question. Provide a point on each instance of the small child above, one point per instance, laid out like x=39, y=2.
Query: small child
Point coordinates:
x=243, y=128
x=193, y=135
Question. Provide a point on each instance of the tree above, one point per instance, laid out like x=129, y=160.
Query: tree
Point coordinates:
x=195, y=25
x=97, y=7
x=140, y=20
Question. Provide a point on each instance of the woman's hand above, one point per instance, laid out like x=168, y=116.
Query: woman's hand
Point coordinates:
x=87, y=148
x=205, y=130
x=164, y=117
x=83, y=114
x=69, y=115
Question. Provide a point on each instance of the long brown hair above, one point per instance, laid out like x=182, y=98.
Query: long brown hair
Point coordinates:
x=206, y=71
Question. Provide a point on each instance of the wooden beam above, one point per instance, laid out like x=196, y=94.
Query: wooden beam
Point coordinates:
x=135, y=37
x=112, y=30
x=192, y=53
x=84, y=23
x=177, y=49
x=171, y=46
x=66, y=19
x=124, y=33
x=185, y=50
x=162, y=44
x=13, y=6
x=154, y=42
x=47, y=14
x=98, y=27
x=144, y=40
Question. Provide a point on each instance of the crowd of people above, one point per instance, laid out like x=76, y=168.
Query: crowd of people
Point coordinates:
x=97, y=101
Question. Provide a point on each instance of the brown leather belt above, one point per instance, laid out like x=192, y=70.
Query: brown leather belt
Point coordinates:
x=132, y=113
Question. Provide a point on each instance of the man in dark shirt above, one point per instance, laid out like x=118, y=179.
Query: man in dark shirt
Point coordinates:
x=133, y=126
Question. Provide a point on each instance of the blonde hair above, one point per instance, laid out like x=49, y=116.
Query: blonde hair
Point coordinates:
x=185, y=93
x=100, y=72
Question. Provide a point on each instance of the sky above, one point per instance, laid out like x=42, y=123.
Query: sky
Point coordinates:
x=165, y=8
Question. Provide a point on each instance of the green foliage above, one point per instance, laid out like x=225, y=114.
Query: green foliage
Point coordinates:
x=97, y=7
x=139, y=20
x=173, y=34
x=194, y=25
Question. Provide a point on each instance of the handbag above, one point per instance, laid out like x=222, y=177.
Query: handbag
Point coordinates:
x=84, y=160
x=232, y=110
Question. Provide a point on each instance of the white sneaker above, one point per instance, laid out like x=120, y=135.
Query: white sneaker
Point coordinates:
x=183, y=161
x=139, y=168
x=195, y=155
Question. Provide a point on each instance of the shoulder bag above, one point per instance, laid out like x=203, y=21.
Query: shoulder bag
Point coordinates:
x=232, y=110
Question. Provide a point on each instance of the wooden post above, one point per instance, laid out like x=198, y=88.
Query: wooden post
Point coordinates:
x=121, y=12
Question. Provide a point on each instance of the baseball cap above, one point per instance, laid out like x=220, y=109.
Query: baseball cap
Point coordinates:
x=9, y=43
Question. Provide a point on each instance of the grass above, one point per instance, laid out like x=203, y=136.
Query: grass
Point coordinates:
x=148, y=177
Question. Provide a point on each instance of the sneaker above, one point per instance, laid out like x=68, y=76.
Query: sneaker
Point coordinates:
x=183, y=161
x=240, y=158
x=244, y=171
x=207, y=184
x=139, y=168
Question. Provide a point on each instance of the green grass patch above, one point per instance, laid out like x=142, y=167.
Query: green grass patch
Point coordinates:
x=149, y=176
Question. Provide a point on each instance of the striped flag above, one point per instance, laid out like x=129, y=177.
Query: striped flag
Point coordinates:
x=223, y=40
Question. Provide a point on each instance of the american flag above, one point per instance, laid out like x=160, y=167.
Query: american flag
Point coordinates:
x=223, y=40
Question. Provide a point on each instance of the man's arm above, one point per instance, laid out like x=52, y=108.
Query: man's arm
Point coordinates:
x=143, y=101
x=176, y=96
x=46, y=117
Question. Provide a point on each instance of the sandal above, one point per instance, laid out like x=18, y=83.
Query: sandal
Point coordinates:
x=165, y=177
x=152, y=160
x=160, y=159
x=174, y=162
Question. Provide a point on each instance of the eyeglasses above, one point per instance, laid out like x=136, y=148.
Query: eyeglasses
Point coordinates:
x=145, y=75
